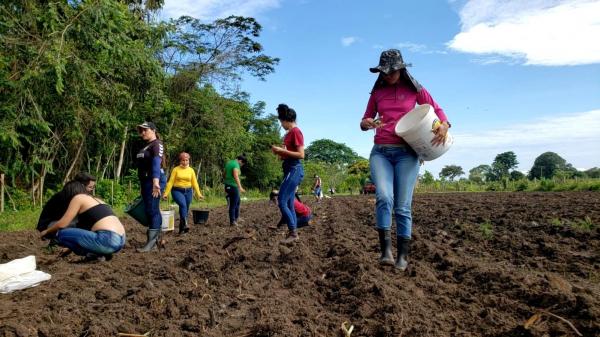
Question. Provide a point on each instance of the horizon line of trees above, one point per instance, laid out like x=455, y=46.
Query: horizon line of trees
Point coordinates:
x=547, y=165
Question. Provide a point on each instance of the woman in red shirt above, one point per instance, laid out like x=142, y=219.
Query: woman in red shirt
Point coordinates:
x=293, y=172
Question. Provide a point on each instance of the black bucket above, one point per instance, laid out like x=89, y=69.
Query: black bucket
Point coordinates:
x=200, y=216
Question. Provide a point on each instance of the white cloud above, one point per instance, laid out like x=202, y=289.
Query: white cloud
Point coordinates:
x=540, y=32
x=349, y=40
x=213, y=9
x=574, y=137
x=574, y=130
x=417, y=48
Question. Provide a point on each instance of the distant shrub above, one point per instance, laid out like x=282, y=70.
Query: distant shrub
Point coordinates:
x=522, y=185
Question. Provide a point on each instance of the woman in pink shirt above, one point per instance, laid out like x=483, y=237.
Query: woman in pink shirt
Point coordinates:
x=394, y=165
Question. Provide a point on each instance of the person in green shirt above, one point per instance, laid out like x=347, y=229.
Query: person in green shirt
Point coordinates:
x=233, y=187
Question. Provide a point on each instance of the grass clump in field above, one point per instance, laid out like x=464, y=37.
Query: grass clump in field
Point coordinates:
x=487, y=230
x=585, y=224
x=556, y=222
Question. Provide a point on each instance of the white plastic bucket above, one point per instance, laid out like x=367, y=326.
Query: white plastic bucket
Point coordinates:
x=168, y=220
x=416, y=129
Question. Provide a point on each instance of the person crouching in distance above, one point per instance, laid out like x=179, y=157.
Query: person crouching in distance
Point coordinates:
x=303, y=212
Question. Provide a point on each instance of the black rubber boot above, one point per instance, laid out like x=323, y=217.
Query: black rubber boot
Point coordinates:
x=403, y=250
x=385, y=244
x=152, y=241
x=183, y=227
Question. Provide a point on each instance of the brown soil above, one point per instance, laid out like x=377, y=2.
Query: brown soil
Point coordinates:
x=463, y=280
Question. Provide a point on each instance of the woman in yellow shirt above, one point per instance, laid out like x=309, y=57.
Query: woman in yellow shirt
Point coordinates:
x=182, y=180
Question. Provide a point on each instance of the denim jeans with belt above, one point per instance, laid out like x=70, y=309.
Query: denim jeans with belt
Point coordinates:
x=183, y=198
x=232, y=194
x=394, y=171
x=293, y=173
x=82, y=241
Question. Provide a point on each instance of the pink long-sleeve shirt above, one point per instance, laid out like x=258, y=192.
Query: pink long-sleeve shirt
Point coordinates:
x=392, y=103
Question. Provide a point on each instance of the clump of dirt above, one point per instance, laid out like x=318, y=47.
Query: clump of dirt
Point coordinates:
x=481, y=264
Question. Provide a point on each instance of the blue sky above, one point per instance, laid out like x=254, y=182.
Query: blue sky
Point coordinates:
x=511, y=75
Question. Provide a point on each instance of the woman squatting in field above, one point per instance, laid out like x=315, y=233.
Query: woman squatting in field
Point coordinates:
x=99, y=233
x=394, y=164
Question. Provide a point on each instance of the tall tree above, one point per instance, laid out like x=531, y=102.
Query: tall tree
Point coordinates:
x=503, y=164
x=217, y=52
x=479, y=173
x=328, y=151
x=547, y=165
x=451, y=171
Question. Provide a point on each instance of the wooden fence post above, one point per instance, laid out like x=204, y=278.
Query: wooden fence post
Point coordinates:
x=1, y=192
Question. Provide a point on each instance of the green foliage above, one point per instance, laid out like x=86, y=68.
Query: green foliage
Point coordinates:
x=594, y=172
x=517, y=175
x=487, y=230
x=503, y=163
x=77, y=76
x=451, y=171
x=478, y=174
x=556, y=222
x=585, y=224
x=19, y=220
x=216, y=52
x=427, y=178
x=114, y=193
x=328, y=151
x=547, y=165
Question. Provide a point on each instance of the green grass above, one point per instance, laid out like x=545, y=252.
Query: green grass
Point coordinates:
x=556, y=222
x=487, y=230
x=19, y=220
x=27, y=219
x=584, y=224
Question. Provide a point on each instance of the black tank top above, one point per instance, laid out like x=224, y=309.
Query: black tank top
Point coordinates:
x=88, y=218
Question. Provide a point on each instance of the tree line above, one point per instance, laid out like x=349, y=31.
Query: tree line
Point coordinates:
x=76, y=77
x=548, y=165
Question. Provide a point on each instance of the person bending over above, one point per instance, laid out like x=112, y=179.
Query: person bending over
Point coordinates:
x=99, y=234
x=57, y=205
x=303, y=212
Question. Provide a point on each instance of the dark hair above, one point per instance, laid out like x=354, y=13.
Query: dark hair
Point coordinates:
x=84, y=178
x=285, y=113
x=380, y=82
x=242, y=158
x=72, y=188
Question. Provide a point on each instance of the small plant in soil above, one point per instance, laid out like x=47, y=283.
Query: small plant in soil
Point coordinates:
x=556, y=222
x=585, y=224
x=487, y=230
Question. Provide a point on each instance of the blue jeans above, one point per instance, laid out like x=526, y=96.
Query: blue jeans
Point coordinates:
x=292, y=177
x=82, y=241
x=183, y=198
x=233, y=200
x=394, y=171
x=303, y=221
x=151, y=204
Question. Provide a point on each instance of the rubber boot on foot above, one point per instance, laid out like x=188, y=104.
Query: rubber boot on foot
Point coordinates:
x=403, y=250
x=152, y=239
x=385, y=244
